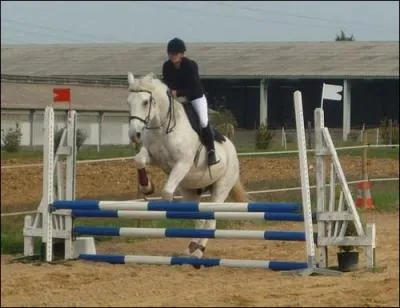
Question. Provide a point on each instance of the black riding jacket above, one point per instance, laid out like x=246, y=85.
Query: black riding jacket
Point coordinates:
x=185, y=79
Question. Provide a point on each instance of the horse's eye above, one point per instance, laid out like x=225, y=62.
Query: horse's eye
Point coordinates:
x=146, y=102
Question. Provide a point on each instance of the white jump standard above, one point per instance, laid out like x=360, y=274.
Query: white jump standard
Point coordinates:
x=58, y=212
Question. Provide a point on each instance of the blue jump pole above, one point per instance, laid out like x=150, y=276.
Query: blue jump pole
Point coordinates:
x=126, y=259
x=191, y=233
x=262, y=216
x=181, y=206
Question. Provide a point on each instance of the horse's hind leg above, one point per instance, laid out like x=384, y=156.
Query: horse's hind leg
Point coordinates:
x=219, y=193
x=193, y=248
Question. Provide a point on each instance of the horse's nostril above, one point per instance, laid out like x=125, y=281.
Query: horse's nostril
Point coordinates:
x=138, y=135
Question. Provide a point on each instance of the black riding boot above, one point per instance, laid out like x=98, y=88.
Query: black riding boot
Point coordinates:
x=209, y=143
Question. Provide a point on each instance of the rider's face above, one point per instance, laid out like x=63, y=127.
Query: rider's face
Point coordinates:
x=175, y=58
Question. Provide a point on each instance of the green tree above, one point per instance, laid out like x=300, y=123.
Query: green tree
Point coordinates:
x=342, y=37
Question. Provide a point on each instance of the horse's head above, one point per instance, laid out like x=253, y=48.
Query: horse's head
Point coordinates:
x=146, y=95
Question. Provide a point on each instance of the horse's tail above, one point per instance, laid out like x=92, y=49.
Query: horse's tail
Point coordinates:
x=238, y=193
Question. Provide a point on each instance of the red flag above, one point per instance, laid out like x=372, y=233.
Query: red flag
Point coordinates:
x=61, y=95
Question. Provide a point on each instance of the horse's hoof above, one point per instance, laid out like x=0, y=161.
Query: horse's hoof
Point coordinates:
x=147, y=190
x=167, y=196
x=197, y=254
x=195, y=250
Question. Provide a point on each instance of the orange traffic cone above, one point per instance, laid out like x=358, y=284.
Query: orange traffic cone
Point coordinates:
x=364, y=199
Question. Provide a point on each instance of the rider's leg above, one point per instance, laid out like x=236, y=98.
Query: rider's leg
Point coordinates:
x=201, y=107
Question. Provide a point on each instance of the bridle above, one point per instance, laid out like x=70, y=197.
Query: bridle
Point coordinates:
x=146, y=121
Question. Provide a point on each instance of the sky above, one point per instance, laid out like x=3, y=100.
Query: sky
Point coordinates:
x=49, y=22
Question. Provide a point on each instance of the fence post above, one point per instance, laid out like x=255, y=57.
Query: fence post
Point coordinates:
x=100, y=120
x=284, y=141
x=364, y=169
x=390, y=131
x=31, y=126
x=309, y=135
x=362, y=133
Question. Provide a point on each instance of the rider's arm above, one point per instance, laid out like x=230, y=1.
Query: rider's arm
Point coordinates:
x=194, y=89
x=166, y=79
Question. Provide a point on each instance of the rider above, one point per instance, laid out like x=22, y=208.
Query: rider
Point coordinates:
x=181, y=75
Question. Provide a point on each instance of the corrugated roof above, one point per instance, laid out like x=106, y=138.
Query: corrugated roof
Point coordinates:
x=304, y=59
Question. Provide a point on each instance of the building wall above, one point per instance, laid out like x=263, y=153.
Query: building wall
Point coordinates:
x=241, y=97
x=374, y=101
x=114, y=130
x=371, y=101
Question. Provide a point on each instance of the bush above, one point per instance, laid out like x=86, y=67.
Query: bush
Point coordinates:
x=384, y=131
x=80, y=138
x=224, y=121
x=263, y=137
x=222, y=116
x=11, y=139
x=226, y=129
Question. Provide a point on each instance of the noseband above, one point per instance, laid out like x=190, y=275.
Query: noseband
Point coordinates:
x=170, y=113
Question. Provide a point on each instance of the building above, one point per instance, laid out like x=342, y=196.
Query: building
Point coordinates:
x=255, y=81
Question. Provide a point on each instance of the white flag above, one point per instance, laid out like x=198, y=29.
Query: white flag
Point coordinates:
x=330, y=91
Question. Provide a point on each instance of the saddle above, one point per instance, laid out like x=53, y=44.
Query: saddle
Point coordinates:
x=195, y=123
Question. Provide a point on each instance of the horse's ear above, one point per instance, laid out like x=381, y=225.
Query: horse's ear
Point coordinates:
x=131, y=79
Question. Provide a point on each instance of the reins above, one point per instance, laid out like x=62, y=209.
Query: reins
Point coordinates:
x=170, y=114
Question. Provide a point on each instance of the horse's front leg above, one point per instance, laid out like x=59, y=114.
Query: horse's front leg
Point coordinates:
x=177, y=174
x=142, y=159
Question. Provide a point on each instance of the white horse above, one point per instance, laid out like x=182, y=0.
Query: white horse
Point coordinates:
x=159, y=122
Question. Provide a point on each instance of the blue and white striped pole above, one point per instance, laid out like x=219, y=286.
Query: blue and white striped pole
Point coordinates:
x=192, y=233
x=261, y=216
x=177, y=206
x=158, y=260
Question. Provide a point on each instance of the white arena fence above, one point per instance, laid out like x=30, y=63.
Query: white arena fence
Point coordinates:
x=244, y=154
x=254, y=192
x=239, y=154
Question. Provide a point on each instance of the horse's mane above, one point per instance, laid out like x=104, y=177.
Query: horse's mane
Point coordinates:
x=152, y=83
x=149, y=82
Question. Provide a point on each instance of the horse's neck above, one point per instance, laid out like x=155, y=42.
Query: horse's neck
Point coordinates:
x=177, y=114
x=176, y=131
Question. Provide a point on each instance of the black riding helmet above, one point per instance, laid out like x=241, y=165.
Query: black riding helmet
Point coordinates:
x=176, y=45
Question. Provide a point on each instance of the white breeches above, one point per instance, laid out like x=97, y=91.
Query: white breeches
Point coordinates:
x=201, y=107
